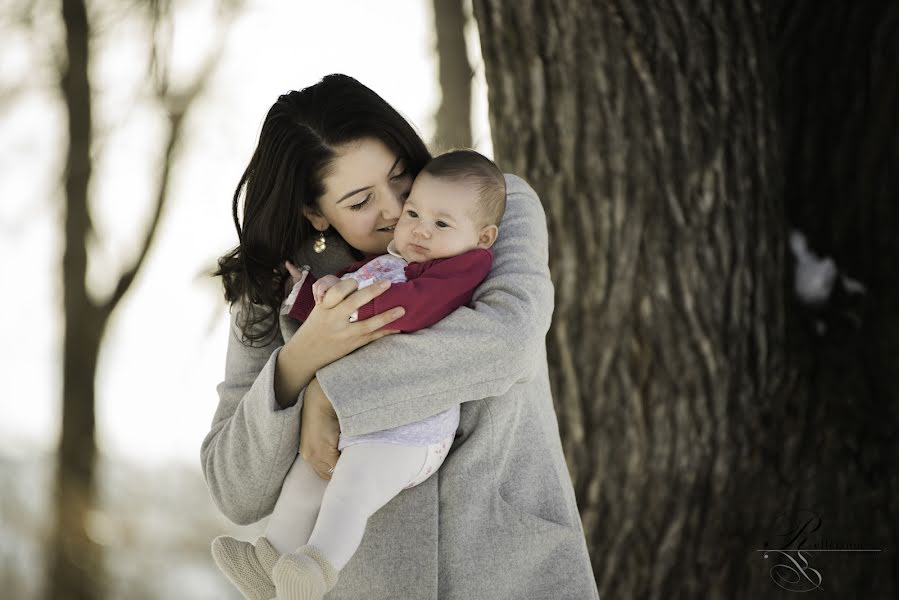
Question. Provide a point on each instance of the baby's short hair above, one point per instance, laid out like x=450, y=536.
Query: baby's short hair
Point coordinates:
x=474, y=167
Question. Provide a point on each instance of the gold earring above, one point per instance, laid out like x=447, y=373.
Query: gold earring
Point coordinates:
x=320, y=245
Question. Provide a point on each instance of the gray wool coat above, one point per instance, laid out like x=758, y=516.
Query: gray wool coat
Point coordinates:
x=499, y=519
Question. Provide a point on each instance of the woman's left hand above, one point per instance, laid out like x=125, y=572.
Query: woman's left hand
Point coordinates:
x=319, y=431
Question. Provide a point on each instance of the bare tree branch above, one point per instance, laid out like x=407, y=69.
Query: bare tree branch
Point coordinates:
x=176, y=103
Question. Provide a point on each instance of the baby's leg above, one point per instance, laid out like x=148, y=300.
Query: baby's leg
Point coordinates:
x=366, y=477
x=249, y=566
x=297, y=507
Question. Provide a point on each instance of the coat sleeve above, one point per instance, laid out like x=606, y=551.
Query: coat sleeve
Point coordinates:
x=252, y=441
x=433, y=294
x=476, y=352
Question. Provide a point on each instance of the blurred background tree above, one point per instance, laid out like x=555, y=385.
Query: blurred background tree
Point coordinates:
x=76, y=560
x=455, y=74
x=673, y=149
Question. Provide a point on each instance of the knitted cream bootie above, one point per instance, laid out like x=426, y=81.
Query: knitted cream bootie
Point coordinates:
x=248, y=566
x=303, y=575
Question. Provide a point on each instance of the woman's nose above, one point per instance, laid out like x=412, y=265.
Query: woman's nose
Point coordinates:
x=391, y=207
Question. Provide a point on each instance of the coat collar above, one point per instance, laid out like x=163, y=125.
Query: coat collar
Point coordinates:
x=391, y=249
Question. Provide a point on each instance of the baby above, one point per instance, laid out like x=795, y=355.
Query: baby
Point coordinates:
x=439, y=254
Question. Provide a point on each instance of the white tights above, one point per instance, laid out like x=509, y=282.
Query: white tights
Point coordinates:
x=332, y=515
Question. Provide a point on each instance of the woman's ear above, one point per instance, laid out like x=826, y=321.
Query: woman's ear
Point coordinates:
x=487, y=236
x=318, y=221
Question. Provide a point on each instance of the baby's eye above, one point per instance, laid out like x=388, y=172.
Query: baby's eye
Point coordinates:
x=362, y=204
x=412, y=214
x=442, y=224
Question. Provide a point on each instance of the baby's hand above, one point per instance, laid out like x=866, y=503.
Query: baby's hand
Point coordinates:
x=296, y=275
x=323, y=285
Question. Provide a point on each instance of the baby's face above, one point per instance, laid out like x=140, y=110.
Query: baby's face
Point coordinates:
x=437, y=220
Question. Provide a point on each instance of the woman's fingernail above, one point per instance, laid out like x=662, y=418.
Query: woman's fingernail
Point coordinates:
x=399, y=312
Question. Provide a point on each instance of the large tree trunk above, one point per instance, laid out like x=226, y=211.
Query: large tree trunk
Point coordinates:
x=74, y=559
x=454, y=114
x=698, y=427
x=649, y=135
x=75, y=569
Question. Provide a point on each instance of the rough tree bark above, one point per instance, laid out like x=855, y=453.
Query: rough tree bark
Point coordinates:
x=74, y=559
x=454, y=113
x=695, y=407
x=648, y=132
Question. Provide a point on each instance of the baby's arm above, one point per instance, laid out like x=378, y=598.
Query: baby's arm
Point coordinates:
x=434, y=293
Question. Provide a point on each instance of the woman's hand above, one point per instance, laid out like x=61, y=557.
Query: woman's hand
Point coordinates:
x=328, y=335
x=319, y=431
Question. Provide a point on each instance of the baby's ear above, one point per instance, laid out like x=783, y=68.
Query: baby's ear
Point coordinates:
x=487, y=236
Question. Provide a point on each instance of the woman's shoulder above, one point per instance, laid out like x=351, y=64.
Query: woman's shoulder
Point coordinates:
x=517, y=185
x=522, y=205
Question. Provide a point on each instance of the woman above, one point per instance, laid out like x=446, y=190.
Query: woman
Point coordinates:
x=499, y=520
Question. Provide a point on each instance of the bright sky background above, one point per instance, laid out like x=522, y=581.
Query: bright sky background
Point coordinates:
x=165, y=346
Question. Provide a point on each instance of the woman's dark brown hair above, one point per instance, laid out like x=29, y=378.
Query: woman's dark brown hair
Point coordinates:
x=296, y=147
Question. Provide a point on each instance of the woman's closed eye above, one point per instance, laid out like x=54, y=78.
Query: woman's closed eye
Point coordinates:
x=362, y=204
x=403, y=182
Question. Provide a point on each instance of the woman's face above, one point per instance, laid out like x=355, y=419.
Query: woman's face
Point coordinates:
x=364, y=195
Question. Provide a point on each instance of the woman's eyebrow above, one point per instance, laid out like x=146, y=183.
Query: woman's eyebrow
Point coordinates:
x=353, y=193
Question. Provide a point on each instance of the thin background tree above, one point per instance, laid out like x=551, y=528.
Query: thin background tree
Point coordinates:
x=75, y=567
x=454, y=74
